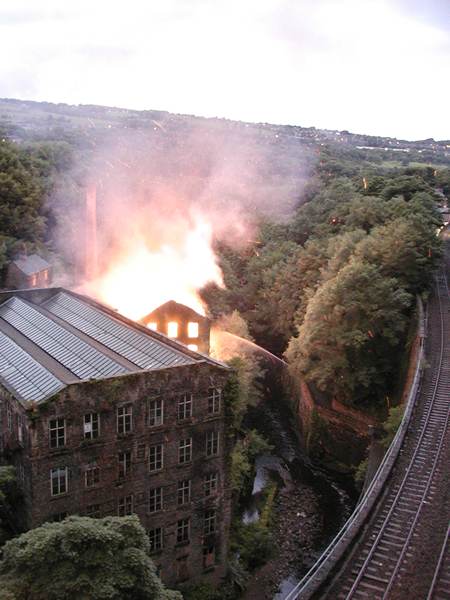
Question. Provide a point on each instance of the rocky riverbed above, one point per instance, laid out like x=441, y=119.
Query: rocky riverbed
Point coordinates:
x=310, y=506
x=297, y=528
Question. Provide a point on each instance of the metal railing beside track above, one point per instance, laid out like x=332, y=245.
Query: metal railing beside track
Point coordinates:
x=319, y=572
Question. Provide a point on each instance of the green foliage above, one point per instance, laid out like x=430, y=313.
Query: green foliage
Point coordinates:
x=28, y=176
x=243, y=457
x=392, y=423
x=360, y=473
x=351, y=326
x=202, y=591
x=255, y=545
x=254, y=540
x=8, y=484
x=10, y=496
x=99, y=559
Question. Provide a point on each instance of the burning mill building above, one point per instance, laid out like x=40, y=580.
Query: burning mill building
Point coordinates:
x=104, y=416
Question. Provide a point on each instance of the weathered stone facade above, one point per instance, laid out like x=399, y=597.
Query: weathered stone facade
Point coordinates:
x=149, y=441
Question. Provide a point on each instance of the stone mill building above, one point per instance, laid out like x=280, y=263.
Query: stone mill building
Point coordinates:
x=103, y=416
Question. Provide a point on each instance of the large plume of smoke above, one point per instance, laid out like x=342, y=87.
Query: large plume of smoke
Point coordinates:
x=154, y=182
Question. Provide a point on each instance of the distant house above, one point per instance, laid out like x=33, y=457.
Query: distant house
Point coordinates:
x=29, y=272
x=180, y=322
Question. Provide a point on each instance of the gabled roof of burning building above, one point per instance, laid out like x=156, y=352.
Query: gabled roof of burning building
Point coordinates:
x=51, y=338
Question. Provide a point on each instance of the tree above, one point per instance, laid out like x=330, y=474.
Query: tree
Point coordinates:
x=352, y=325
x=79, y=558
x=10, y=496
x=405, y=249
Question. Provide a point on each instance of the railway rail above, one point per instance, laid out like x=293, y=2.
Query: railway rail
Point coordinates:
x=404, y=552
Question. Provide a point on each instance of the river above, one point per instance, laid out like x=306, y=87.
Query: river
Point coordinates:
x=312, y=505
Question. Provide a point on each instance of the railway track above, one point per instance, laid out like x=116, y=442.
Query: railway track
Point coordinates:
x=403, y=551
x=440, y=586
x=394, y=561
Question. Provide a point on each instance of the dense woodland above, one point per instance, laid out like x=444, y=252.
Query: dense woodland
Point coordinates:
x=334, y=288
x=329, y=282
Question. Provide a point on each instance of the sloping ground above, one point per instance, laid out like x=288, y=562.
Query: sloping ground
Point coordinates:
x=397, y=555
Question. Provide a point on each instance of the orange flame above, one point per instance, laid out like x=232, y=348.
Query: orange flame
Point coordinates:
x=139, y=280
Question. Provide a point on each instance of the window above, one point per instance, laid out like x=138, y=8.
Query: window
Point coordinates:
x=140, y=451
x=91, y=426
x=193, y=347
x=33, y=280
x=57, y=433
x=185, y=451
x=156, y=539
x=59, y=481
x=155, y=499
x=91, y=476
x=172, y=329
x=155, y=412
x=153, y=326
x=58, y=517
x=192, y=330
x=21, y=473
x=209, y=524
x=212, y=443
x=185, y=406
x=214, y=397
x=9, y=417
x=124, y=418
x=209, y=556
x=183, y=530
x=93, y=511
x=19, y=428
x=45, y=275
x=210, y=484
x=125, y=506
x=184, y=491
x=124, y=459
x=156, y=457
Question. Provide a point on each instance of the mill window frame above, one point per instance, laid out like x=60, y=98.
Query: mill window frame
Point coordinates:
x=184, y=492
x=91, y=476
x=156, y=412
x=155, y=499
x=91, y=426
x=185, y=451
x=57, y=433
x=124, y=463
x=124, y=419
x=210, y=484
x=156, y=458
x=156, y=539
x=125, y=505
x=59, y=481
x=183, y=530
x=212, y=443
x=214, y=400
x=185, y=406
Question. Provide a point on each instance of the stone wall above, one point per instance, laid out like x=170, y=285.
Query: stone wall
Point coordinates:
x=177, y=561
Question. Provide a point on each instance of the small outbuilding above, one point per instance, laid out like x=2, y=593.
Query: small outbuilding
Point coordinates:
x=28, y=272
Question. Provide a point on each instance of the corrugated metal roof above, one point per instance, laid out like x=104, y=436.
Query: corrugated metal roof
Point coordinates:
x=134, y=345
x=75, y=354
x=25, y=376
x=31, y=264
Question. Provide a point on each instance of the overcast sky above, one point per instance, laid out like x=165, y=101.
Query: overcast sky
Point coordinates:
x=369, y=66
